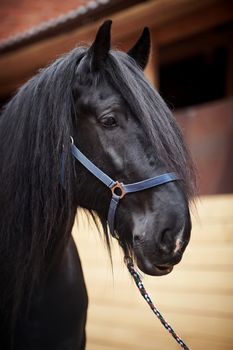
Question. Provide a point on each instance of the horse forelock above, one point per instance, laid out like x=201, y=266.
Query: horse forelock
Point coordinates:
x=155, y=117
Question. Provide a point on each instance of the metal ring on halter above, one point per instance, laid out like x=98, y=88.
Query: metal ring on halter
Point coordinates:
x=72, y=140
x=119, y=186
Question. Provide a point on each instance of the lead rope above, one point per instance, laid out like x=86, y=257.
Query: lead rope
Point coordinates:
x=137, y=279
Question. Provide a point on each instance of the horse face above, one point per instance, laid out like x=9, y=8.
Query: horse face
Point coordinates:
x=154, y=223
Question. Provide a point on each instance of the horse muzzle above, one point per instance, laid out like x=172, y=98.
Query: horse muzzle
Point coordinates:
x=157, y=262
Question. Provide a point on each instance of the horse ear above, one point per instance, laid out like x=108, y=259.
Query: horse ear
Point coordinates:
x=141, y=50
x=101, y=45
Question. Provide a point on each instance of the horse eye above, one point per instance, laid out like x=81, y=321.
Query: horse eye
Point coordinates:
x=108, y=121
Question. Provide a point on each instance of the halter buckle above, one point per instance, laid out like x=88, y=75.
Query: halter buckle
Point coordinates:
x=120, y=187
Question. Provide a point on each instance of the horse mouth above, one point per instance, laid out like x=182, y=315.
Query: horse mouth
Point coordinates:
x=152, y=269
x=164, y=269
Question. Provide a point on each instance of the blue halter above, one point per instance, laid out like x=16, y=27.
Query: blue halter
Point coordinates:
x=119, y=189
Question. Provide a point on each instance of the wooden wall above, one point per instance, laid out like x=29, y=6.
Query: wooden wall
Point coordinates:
x=197, y=297
x=208, y=129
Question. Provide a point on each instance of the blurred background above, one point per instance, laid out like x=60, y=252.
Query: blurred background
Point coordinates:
x=192, y=67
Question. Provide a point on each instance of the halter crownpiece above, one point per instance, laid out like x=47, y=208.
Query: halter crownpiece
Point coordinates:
x=119, y=189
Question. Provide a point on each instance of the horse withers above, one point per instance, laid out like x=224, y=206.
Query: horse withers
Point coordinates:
x=117, y=120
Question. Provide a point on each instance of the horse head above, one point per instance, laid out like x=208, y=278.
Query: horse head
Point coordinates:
x=125, y=128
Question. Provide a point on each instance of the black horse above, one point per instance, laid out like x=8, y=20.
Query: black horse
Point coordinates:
x=102, y=99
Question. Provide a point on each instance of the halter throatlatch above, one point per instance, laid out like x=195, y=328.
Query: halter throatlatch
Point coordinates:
x=120, y=190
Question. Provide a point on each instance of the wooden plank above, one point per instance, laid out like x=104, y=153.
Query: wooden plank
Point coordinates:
x=156, y=339
x=127, y=338
x=204, y=258
x=210, y=305
x=213, y=207
x=216, y=256
x=130, y=319
x=194, y=22
x=200, y=345
x=210, y=255
x=185, y=48
x=213, y=233
x=191, y=279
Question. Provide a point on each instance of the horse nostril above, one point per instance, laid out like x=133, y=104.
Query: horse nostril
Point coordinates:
x=165, y=243
x=138, y=237
x=172, y=243
x=164, y=236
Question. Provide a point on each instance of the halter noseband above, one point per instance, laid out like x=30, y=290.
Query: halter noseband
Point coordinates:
x=119, y=189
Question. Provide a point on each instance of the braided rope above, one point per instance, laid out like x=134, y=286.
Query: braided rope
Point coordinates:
x=139, y=284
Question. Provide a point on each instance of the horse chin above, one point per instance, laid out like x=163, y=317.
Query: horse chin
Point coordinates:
x=151, y=269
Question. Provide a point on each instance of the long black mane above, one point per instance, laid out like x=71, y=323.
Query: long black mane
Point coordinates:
x=36, y=212
x=35, y=127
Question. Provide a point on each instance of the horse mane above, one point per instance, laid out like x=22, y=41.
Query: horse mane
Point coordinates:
x=35, y=129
